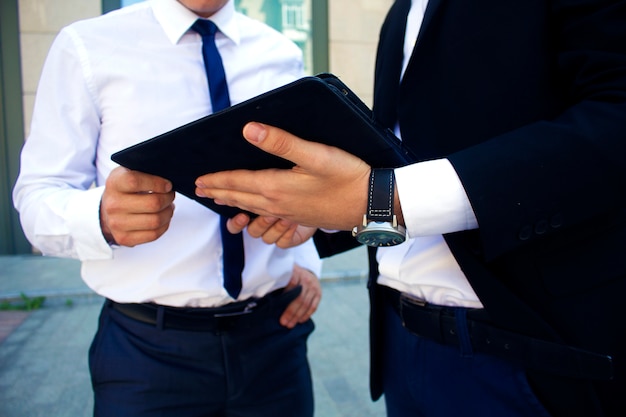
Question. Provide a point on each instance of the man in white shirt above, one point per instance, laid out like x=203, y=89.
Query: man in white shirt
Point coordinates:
x=172, y=340
x=503, y=300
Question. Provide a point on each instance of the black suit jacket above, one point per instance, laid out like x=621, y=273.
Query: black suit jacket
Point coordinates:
x=527, y=99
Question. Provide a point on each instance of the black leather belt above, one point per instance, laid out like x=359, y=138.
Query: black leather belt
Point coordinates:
x=438, y=323
x=208, y=319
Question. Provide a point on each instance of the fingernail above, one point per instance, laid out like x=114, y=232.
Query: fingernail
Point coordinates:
x=241, y=219
x=200, y=190
x=255, y=132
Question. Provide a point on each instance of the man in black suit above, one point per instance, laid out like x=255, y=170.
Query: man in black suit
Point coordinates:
x=506, y=299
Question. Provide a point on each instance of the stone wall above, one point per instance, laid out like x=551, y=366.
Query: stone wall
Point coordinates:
x=353, y=34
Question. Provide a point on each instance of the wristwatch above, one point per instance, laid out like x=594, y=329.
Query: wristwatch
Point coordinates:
x=380, y=226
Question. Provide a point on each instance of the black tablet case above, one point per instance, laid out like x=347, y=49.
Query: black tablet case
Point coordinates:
x=319, y=108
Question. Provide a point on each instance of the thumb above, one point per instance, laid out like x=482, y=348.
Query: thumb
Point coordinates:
x=282, y=144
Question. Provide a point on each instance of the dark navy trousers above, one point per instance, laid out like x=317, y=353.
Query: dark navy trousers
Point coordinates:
x=258, y=368
x=423, y=378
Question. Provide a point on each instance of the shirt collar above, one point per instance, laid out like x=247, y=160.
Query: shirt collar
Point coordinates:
x=176, y=19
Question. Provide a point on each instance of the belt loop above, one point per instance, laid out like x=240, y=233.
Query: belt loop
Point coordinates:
x=465, y=342
x=436, y=322
x=160, y=321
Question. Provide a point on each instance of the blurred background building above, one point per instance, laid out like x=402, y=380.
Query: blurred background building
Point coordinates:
x=337, y=36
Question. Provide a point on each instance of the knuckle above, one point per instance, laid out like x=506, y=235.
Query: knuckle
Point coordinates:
x=114, y=224
x=152, y=203
x=153, y=235
x=131, y=180
x=114, y=204
x=282, y=145
x=155, y=222
x=124, y=239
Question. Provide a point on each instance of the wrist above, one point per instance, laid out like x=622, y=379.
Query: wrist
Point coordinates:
x=380, y=226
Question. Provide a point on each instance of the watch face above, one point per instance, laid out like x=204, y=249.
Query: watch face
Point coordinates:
x=380, y=234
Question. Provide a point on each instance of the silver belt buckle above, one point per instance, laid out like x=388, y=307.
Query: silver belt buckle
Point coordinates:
x=249, y=308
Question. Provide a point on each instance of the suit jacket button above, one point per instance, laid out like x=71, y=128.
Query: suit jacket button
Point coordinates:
x=556, y=221
x=525, y=233
x=541, y=227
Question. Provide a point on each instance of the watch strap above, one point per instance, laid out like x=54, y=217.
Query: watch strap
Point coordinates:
x=381, y=195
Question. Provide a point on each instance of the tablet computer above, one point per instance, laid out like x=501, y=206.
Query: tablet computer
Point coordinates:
x=318, y=108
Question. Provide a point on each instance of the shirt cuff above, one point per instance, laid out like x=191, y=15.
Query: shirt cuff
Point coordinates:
x=433, y=199
x=83, y=221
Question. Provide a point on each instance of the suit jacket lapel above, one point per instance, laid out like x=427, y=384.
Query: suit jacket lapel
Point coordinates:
x=389, y=63
x=429, y=13
x=431, y=8
x=390, y=55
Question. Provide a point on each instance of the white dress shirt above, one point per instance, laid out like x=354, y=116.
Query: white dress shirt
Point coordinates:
x=433, y=202
x=116, y=80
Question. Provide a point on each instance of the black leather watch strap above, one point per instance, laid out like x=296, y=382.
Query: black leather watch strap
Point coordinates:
x=381, y=193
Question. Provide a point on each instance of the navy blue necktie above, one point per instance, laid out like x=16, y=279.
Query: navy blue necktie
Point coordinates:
x=233, y=256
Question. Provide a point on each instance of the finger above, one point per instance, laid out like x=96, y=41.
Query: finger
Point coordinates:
x=259, y=226
x=314, y=295
x=249, y=202
x=238, y=188
x=141, y=222
x=281, y=230
x=295, y=236
x=278, y=142
x=289, y=318
x=131, y=230
x=128, y=181
x=288, y=238
x=292, y=313
x=134, y=238
x=136, y=203
x=238, y=223
x=312, y=308
x=301, y=309
x=245, y=180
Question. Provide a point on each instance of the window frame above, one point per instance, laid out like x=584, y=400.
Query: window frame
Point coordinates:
x=12, y=239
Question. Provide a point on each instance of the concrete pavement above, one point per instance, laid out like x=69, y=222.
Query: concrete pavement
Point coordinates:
x=43, y=353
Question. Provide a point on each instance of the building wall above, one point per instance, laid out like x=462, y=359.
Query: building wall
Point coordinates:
x=354, y=26
x=40, y=20
x=353, y=34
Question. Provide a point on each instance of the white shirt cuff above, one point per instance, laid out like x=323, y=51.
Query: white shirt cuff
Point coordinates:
x=433, y=199
x=83, y=221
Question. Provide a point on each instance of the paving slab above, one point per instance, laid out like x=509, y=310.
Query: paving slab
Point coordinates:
x=43, y=353
x=43, y=362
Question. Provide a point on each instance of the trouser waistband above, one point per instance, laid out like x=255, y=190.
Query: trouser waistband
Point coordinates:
x=439, y=323
x=207, y=319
